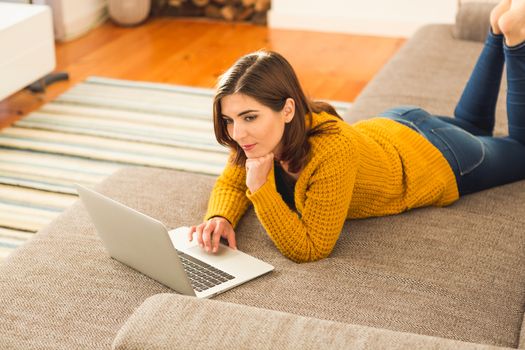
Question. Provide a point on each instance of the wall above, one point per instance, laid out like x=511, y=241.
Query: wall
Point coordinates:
x=73, y=18
x=81, y=15
x=372, y=17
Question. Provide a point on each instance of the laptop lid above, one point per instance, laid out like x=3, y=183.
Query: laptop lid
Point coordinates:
x=144, y=244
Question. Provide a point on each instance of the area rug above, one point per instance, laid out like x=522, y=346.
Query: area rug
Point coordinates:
x=89, y=132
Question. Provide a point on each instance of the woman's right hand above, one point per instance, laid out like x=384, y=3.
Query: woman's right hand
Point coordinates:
x=209, y=234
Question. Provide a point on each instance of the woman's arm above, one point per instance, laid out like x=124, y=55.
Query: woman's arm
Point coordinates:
x=312, y=235
x=228, y=197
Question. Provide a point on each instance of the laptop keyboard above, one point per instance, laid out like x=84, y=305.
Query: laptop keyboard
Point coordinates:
x=202, y=276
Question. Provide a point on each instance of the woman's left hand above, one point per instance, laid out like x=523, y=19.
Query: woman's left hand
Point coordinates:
x=257, y=170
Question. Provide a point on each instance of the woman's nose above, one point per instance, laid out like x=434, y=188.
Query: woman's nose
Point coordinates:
x=238, y=131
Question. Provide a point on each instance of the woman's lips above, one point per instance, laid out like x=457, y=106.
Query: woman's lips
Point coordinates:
x=248, y=147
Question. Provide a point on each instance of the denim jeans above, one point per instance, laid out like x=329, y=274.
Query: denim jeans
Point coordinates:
x=479, y=160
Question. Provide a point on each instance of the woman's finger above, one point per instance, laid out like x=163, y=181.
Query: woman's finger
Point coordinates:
x=232, y=242
x=199, y=230
x=206, y=234
x=190, y=233
x=219, y=228
x=249, y=163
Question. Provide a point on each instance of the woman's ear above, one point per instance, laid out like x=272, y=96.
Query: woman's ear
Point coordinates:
x=289, y=110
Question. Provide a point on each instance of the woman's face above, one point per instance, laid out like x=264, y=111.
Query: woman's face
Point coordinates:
x=255, y=127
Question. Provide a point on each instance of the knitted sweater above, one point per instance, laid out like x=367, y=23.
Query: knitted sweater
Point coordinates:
x=372, y=168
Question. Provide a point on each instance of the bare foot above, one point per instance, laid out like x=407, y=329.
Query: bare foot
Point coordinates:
x=512, y=23
x=496, y=13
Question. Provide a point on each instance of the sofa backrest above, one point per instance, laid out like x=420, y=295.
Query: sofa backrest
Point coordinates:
x=472, y=20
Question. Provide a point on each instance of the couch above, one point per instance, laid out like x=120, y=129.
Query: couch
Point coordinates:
x=438, y=278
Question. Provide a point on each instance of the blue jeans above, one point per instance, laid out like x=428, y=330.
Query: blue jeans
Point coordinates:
x=479, y=160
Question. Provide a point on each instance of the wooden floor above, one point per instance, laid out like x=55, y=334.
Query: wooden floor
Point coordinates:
x=196, y=52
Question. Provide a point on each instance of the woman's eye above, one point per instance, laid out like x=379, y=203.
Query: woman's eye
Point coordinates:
x=227, y=121
x=250, y=118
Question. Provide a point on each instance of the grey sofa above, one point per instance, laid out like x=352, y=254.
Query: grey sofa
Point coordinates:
x=439, y=278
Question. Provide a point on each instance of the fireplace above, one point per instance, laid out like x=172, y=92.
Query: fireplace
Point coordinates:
x=254, y=11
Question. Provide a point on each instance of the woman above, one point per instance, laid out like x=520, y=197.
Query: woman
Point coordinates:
x=305, y=171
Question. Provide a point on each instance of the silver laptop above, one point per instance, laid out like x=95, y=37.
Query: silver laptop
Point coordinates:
x=145, y=245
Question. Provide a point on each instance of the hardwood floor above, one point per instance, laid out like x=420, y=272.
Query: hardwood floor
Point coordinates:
x=195, y=52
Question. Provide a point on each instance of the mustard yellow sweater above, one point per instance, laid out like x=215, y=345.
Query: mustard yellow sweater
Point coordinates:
x=375, y=167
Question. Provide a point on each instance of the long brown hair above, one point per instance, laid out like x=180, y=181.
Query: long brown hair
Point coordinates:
x=267, y=77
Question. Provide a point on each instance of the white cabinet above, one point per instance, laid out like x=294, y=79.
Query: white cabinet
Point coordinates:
x=27, y=45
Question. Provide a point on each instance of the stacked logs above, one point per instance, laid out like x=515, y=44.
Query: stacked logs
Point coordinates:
x=229, y=10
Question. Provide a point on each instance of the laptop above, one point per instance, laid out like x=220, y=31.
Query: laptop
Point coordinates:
x=145, y=245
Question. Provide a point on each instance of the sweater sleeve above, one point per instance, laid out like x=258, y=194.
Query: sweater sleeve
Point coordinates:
x=311, y=235
x=228, y=197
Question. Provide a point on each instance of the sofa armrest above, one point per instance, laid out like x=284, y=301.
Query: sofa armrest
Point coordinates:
x=178, y=322
x=472, y=21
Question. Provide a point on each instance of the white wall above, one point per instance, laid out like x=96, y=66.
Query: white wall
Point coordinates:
x=371, y=17
x=73, y=18
x=81, y=15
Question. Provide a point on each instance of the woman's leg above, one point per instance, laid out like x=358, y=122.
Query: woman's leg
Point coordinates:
x=501, y=160
x=512, y=24
x=477, y=104
x=483, y=162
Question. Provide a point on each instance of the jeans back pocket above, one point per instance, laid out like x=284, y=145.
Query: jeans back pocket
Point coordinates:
x=468, y=151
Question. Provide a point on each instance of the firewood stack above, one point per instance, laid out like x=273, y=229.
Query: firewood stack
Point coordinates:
x=229, y=10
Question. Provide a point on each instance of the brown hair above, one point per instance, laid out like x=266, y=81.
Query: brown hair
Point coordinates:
x=267, y=77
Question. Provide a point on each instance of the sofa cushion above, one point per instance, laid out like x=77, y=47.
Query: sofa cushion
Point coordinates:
x=472, y=21
x=455, y=272
x=429, y=71
x=169, y=321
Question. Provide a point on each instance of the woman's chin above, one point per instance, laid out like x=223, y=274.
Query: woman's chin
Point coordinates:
x=254, y=154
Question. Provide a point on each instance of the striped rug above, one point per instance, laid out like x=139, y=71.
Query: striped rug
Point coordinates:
x=89, y=132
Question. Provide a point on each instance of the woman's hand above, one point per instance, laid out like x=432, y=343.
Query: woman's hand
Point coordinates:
x=257, y=170
x=209, y=234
